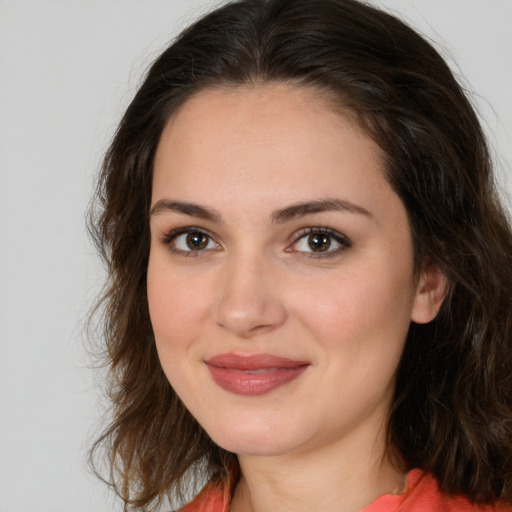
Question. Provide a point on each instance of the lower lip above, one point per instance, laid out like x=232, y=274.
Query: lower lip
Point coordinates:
x=252, y=384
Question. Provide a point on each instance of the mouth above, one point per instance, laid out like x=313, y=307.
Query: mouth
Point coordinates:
x=253, y=375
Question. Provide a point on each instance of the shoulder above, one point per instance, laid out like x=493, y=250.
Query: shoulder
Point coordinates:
x=213, y=498
x=423, y=495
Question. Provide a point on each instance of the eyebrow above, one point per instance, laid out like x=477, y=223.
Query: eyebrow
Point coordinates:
x=311, y=207
x=192, y=209
x=279, y=216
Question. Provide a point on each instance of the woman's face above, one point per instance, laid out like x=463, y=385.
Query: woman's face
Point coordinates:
x=280, y=278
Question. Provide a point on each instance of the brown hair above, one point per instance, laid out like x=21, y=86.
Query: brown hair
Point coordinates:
x=452, y=409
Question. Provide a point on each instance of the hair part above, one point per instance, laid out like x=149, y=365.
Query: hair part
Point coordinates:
x=452, y=410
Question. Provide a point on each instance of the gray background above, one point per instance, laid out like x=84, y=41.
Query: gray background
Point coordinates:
x=68, y=69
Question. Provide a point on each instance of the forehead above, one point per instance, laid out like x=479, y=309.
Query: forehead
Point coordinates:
x=249, y=153
x=257, y=147
x=278, y=122
x=265, y=99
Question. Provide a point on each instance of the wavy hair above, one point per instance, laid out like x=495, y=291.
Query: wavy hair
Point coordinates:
x=452, y=409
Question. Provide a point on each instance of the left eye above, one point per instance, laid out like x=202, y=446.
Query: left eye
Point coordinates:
x=320, y=242
x=193, y=241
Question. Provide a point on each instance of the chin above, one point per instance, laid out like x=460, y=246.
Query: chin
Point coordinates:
x=255, y=447
x=252, y=441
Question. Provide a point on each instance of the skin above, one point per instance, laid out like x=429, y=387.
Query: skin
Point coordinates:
x=318, y=442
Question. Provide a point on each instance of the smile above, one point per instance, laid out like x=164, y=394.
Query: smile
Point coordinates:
x=253, y=375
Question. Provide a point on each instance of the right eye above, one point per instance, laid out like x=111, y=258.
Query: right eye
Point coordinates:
x=190, y=241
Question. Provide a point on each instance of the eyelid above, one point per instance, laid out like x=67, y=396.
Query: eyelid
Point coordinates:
x=345, y=243
x=342, y=239
x=170, y=236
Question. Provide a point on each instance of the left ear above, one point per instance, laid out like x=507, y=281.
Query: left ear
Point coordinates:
x=431, y=290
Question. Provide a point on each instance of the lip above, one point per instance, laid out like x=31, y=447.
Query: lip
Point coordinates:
x=255, y=374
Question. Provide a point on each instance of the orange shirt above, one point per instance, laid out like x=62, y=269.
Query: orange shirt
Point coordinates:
x=422, y=495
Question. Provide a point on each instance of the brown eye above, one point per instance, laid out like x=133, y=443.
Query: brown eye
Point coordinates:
x=197, y=241
x=191, y=241
x=319, y=242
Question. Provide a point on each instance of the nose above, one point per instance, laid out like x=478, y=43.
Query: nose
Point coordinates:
x=249, y=300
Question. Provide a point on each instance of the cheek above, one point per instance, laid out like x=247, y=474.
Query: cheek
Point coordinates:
x=361, y=325
x=370, y=305
x=177, y=305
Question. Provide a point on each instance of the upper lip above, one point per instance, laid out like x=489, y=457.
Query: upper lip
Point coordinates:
x=253, y=362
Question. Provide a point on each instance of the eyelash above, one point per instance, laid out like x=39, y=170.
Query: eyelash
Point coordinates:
x=341, y=239
x=169, y=238
x=173, y=234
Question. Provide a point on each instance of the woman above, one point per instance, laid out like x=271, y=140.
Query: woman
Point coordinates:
x=310, y=291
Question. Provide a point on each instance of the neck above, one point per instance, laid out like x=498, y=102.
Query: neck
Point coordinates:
x=340, y=476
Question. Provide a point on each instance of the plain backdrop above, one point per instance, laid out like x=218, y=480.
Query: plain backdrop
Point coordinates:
x=68, y=69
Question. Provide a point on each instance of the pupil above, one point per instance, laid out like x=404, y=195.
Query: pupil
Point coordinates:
x=197, y=241
x=319, y=243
